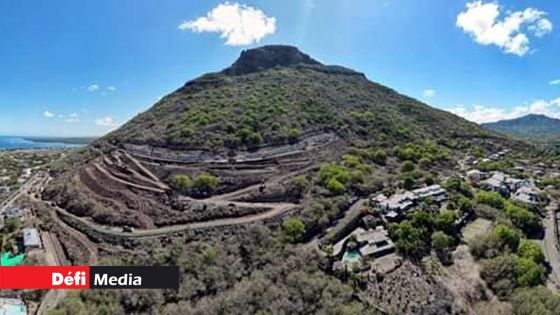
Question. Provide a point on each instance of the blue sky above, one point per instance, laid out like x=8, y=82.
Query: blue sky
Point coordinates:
x=76, y=68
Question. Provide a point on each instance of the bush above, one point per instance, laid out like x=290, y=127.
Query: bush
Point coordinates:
x=500, y=274
x=522, y=218
x=336, y=187
x=299, y=185
x=409, y=240
x=538, y=300
x=508, y=236
x=379, y=157
x=441, y=241
x=293, y=229
x=408, y=182
x=330, y=171
x=407, y=167
x=530, y=250
x=205, y=184
x=529, y=273
x=492, y=199
x=457, y=185
x=445, y=221
x=182, y=182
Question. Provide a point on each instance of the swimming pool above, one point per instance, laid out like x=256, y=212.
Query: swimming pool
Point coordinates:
x=351, y=256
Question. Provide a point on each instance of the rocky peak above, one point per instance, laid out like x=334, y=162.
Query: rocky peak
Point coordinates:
x=266, y=57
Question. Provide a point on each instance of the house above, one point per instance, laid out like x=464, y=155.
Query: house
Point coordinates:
x=375, y=242
x=14, y=213
x=475, y=175
x=9, y=306
x=497, y=183
x=526, y=195
x=398, y=202
x=433, y=192
x=31, y=239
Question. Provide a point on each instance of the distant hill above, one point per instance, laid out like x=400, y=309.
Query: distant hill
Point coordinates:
x=66, y=140
x=537, y=128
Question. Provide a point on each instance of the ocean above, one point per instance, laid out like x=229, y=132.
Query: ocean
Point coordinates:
x=20, y=143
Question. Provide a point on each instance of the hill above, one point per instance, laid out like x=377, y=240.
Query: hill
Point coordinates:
x=536, y=128
x=221, y=177
x=274, y=114
x=274, y=93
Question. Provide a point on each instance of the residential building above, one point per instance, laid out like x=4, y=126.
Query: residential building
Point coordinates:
x=433, y=192
x=476, y=175
x=376, y=242
x=526, y=195
x=31, y=239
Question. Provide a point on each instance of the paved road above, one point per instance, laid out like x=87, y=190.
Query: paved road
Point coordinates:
x=550, y=248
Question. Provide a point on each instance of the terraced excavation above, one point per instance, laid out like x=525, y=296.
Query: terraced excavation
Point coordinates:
x=131, y=186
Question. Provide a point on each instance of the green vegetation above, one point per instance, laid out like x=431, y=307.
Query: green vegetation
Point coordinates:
x=422, y=231
x=428, y=153
x=249, y=272
x=538, y=300
x=293, y=230
x=298, y=185
x=182, y=182
x=519, y=214
x=204, y=184
x=508, y=261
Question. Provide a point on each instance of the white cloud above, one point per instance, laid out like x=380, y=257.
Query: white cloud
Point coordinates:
x=541, y=28
x=48, y=114
x=238, y=24
x=105, y=121
x=482, y=21
x=93, y=88
x=429, y=93
x=485, y=114
x=112, y=88
x=72, y=120
x=73, y=115
x=554, y=82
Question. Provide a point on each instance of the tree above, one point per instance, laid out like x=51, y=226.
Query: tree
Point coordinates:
x=410, y=240
x=529, y=273
x=205, y=183
x=293, y=230
x=522, y=218
x=537, y=300
x=182, y=182
x=500, y=273
x=530, y=250
x=492, y=199
x=508, y=236
x=336, y=187
x=299, y=185
x=441, y=243
x=423, y=220
x=445, y=221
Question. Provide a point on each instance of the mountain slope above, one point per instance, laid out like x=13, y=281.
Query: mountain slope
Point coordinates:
x=275, y=114
x=539, y=128
x=273, y=93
